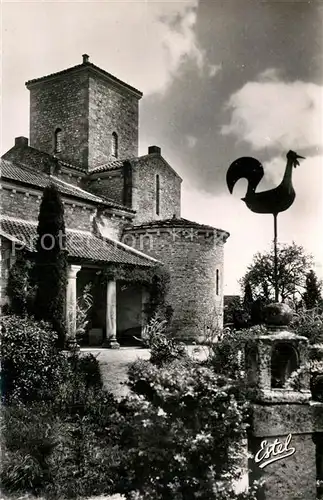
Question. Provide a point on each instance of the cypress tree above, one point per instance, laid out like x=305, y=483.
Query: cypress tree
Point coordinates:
x=247, y=299
x=51, y=262
x=312, y=295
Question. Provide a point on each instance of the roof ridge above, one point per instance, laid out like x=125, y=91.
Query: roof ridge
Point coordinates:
x=18, y=219
x=25, y=166
x=92, y=66
x=74, y=186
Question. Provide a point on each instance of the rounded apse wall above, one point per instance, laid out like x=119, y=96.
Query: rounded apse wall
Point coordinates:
x=194, y=257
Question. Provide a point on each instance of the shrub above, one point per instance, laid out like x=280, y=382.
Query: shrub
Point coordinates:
x=64, y=447
x=84, y=308
x=309, y=323
x=182, y=432
x=162, y=347
x=32, y=368
x=19, y=288
x=29, y=435
x=83, y=465
x=86, y=458
x=87, y=369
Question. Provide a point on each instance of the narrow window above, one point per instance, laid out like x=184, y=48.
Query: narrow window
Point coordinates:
x=58, y=140
x=114, y=145
x=217, y=282
x=157, y=194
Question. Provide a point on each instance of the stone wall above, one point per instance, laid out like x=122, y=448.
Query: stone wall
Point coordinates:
x=192, y=258
x=15, y=203
x=144, y=172
x=294, y=477
x=62, y=103
x=111, y=226
x=108, y=185
x=87, y=109
x=6, y=262
x=111, y=110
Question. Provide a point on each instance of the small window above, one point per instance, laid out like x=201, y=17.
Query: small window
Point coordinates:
x=217, y=282
x=58, y=140
x=114, y=145
x=157, y=195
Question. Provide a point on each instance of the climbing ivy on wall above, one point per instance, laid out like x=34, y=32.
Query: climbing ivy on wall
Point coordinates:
x=155, y=279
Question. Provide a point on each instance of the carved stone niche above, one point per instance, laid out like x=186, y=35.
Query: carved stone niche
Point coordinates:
x=276, y=362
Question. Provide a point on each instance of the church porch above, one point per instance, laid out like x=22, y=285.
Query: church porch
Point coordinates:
x=118, y=311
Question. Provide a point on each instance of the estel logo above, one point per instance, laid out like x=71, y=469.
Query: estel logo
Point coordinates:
x=271, y=452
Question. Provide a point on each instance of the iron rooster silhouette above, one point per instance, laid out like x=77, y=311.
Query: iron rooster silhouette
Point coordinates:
x=272, y=201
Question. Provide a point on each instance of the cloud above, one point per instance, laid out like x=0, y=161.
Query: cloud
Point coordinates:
x=249, y=232
x=155, y=40
x=213, y=69
x=191, y=141
x=144, y=43
x=270, y=113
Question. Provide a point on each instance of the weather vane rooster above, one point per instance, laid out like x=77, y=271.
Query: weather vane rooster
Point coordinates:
x=273, y=201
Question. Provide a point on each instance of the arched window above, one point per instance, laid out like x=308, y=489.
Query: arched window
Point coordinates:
x=114, y=145
x=58, y=140
x=217, y=282
x=157, y=195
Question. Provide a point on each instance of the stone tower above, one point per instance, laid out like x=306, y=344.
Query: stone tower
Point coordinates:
x=84, y=116
x=193, y=255
x=281, y=433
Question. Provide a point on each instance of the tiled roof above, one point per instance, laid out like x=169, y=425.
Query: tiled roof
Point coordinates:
x=27, y=175
x=79, y=244
x=92, y=67
x=112, y=165
x=175, y=222
x=34, y=157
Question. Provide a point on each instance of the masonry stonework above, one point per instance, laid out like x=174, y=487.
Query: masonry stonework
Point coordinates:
x=97, y=150
x=144, y=171
x=111, y=110
x=87, y=106
x=61, y=103
x=192, y=258
x=110, y=185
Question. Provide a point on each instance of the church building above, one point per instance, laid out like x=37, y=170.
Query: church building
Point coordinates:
x=121, y=209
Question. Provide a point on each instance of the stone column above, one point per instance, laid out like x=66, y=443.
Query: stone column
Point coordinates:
x=111, y=316
x=71, y=300
x=145, y=295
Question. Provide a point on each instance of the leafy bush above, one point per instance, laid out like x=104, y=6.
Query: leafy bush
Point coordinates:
x=19, y=288
x=84, y=307
x=87, y=456
x=163, y=348
x=59, y=427
x=30, y=436
x=182, y=433
x=62, y=455
x=32, y=369
x=309, y=323
x=86, y=368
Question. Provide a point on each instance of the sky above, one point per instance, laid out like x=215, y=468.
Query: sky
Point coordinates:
x=221, y=79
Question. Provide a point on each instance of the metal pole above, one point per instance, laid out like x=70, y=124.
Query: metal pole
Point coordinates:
x=275, y=258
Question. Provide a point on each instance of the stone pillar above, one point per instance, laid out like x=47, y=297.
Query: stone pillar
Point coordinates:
x=280, y=440
x=145, y=295
x=71, y=300
x=111, y=316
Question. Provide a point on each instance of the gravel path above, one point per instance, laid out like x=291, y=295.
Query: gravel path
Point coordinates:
x=114, y=364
